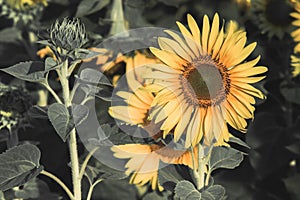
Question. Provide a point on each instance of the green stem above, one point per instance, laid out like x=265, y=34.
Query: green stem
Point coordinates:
x=72, y=141
x=89, y=196
x=201, y=167
x=85, y=162
x=57, y=180
x=195, y=170
x=48, y=87
x=209, y=170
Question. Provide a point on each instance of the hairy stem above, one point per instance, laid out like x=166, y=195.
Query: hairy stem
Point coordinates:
x=72, y=141
x=59, y=182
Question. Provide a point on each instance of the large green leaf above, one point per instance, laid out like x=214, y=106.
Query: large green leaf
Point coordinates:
x=60, y=118
x=87, y=7
x=92, y=76
x=215, y=192
x=18, y=165
x=35, y=189
x=32, y=71
x=185, y=190
x=94, y=173
x=224, y=157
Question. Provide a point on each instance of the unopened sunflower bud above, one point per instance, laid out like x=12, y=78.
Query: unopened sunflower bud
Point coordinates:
x=68, y=34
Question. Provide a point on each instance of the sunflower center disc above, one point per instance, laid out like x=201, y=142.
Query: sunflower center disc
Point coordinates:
x=278, y=12
x=205, y=81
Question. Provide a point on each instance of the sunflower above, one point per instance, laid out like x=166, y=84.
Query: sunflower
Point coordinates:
x=137, y=99
x=203, y=82
x=296, y=34
x=295, y=63
x=145, y=160
x=22, y=10
x=272, y=16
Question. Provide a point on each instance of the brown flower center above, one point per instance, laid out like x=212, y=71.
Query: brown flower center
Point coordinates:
x=205, y=82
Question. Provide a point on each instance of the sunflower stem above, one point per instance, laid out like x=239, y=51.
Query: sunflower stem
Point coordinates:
x=72, y=140
x=85, y=162
x=89, y=196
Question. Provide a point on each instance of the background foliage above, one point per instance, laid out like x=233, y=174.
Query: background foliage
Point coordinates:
x=271, y=170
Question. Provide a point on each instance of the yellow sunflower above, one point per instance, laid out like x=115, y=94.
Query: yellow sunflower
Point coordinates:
x=295, y=63
x=203, y=82
x=144, y=161
x=296, y=34
x=272, y=16
x=22, y=10
x=137, y=99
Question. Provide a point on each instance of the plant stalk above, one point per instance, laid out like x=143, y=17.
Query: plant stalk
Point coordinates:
x=72, y=140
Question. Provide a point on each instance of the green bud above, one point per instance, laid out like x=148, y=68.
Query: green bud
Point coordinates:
x=68, y=34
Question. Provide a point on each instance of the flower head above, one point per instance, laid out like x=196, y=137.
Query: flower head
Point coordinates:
x=272, y=16
x=144, y=161
x=296, y=33
x=68, y=34
x=204, y=82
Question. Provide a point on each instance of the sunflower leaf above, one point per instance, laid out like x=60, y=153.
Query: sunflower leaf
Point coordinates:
x=18, y=165
x=92, y=76
x=238, y=141
x=32, y=71
x=60, y=118
x=214, y=192
x=79, y=113
x=223, y=157
x=185, y=190
x=87, y=7
x=94, y=173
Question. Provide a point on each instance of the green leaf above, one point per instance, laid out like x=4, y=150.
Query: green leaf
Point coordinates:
x=79, y=113
x=12, y=34
x=185, y=190
x=238, y=141
x=87, y=7
x=292, y=185
x=60, y=118
x=93, y=76
x=103, y=133
x=51, y=64
x=155, y=196
x=94, y=173
x=18, y=165
x=32, y=71
x=224, y=157
x=215, y=192
x=291, y=94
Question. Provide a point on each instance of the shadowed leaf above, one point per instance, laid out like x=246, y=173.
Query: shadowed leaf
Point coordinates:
x=32, y=71
x=18, y=165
